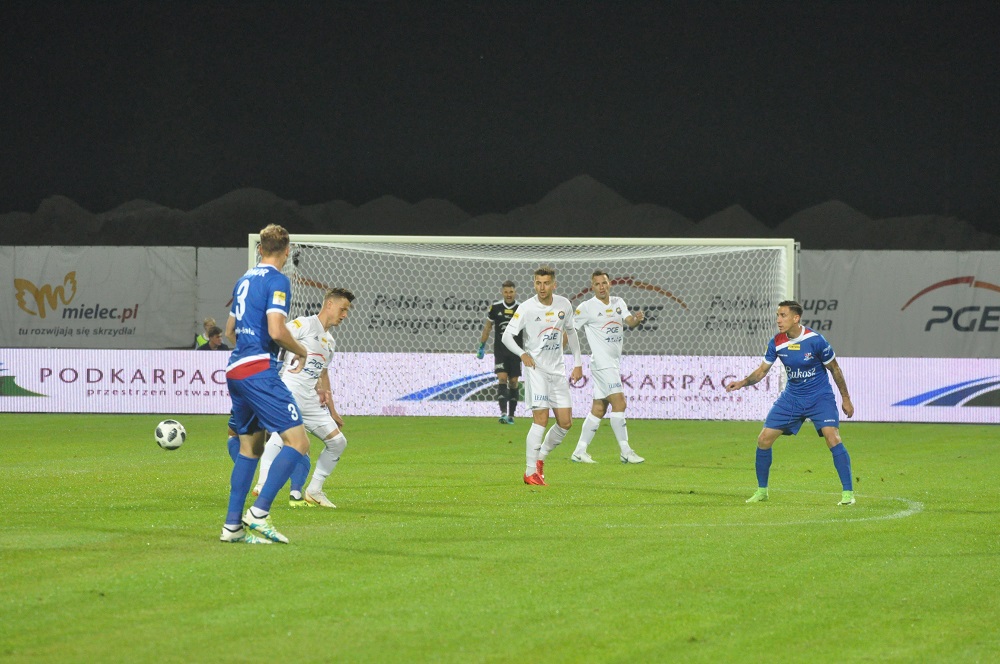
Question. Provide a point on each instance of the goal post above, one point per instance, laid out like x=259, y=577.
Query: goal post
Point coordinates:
x=422, y=302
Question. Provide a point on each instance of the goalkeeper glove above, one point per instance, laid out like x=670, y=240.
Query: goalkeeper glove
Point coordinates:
x=482, y=350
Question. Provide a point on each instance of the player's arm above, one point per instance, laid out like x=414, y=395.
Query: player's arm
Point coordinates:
x=838, y=377
x=513, y=327
x=231, y=330
x=280, y=334
x=632, y=320
x=574, y=346
x=483, y=338
x=326, y=397
x=755, y=377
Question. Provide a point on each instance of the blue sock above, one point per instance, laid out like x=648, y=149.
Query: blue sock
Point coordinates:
x=234, y=447
x=281, y=470
x=763, y=466
x=300, y=473
x=842, y=462
x=239, y=487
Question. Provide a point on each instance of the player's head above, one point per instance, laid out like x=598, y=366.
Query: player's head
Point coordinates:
x=600, y=284
x=789, y=315
x=336, y=306
x=508, y=291
x=273, y=241
x=545, y=281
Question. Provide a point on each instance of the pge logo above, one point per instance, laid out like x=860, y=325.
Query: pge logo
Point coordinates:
x=44, y=295
x=973, y=318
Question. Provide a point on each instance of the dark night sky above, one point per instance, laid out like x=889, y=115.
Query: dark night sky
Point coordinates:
x=891, y=107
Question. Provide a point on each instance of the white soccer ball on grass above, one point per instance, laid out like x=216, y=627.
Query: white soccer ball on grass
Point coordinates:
x=170, y=434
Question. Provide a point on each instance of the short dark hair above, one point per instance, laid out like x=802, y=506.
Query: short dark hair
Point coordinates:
x=546, y=271
x=507, y=284
x=793, y=306
x=599, y=273
x=215, y=330
x=339, y=292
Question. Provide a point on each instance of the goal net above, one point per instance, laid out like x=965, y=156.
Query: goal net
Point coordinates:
x=408, y=346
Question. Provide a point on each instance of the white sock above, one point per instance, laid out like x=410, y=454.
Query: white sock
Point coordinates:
x=327, y=461
x=532, y=444
x=587, y=432
x=274, y=445
x=552, y=440
x=621, y=431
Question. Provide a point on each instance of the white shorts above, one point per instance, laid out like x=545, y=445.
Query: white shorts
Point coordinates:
x=315, y=416
x=606, y=382
x=545, y=390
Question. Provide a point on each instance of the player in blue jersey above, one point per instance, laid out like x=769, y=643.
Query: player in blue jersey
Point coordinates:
x=261, y=300
x=806, y=356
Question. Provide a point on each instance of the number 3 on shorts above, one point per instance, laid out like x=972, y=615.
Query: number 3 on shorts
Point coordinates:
x=294, y=411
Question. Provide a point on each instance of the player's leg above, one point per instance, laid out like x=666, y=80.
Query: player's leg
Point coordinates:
x=589, y=429
x=512, y=363
x=271, y=449
x=618, y=425
x=317, y=421
x=762, y=462
x=536, y=391
x=826, y=418
x=562, y=408
x=276, y=409
x=334, y=444
x=297, y=480
x=241, y=418
x=502, y=390
x=233, y=444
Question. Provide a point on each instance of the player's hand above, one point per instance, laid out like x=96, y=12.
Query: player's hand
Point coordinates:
x=847, y=407
x=576, y=374
x=528, y=361
x=639, y=316
x=733, y=386
x=337, y=418
x=482, y=350
x=297, y=364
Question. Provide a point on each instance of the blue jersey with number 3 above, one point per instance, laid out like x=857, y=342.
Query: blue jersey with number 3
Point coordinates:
x=262, y=290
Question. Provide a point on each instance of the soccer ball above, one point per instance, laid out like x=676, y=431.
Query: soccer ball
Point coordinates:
x=170, y=434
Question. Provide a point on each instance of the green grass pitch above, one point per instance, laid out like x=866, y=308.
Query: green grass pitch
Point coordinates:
x=438, y=552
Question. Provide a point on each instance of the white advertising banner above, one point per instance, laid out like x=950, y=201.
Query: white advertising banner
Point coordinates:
x=904, y=303
x=399, y=384
x=97, y=297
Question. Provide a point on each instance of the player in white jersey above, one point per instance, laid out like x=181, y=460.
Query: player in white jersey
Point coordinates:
x=604, y=317
x=311, y=388
x=544, y=319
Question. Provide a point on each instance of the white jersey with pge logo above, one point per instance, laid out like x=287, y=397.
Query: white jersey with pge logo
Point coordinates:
x=309, y=332
x=543, y=327
x=605, y=327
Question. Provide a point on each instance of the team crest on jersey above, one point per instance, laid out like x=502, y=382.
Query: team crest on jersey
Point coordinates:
x=562, y=314
x=278, y=298
x=807, y=356
x=618, y=310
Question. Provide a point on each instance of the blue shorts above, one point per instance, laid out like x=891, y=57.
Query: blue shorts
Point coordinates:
x=789, y=412
x=262, y=401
